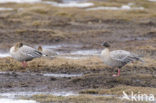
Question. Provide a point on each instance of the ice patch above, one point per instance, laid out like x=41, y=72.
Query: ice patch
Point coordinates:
x=123, y=7
x=152, y=0
x=59, y=46
x=52, y=46
x=75, y=58
x=20, y=1
x=3, y=55
x=64, y=4
x=74, y=0
x=62, y=75
x=13, y=95
x=6, y=9
x=65, y=94
x=6, y=100
x=70, y=4
x=85, y=52
x=103, y=95
x=4, y=72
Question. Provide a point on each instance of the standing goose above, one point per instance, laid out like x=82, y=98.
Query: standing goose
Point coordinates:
x=47, y=52
x=24, y=53
x=117, y=58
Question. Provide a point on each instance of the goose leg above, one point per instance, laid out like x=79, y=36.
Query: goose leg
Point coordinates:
x=24, y=64
x=118, y=74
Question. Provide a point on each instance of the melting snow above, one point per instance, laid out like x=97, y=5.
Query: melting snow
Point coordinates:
x=70, y=4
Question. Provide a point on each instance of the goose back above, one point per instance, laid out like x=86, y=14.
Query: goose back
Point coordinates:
x=123, y=57
x=24, y=53
x=118, y=58
x=49, y=53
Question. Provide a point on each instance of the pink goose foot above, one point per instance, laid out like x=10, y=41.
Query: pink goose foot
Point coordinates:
x=118, y=74
x=24, y=64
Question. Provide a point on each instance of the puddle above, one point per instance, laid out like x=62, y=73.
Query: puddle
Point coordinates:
x=61, y=49
x=65, y=93
x=3, y=55
x=70, y=4
x=134, y=38
x=6, y=9
x=71, y=55
x=12, y=95
x=51, y=46
x=17, y=73
x=74, y=0
x=74, y=57
x=6, y=100
x=108, y=95
x=44, y=74
x=123, y=7
x=86, y=52
x=104, y=95
x=62, y=75
x=4, y=72
x=20, y=1
x=60, y=46
x=66, y=3
x=152, y=0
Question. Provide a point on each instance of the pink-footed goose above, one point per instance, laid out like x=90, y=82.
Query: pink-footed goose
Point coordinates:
x=117, y=58
x=47, y=52
x=24, y=53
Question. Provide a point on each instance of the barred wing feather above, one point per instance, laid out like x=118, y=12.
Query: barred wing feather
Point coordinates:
x=123, y=56
x=30, y=52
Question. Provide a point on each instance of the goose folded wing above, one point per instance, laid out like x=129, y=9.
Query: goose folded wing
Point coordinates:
x=30, y=52
x=119, y=54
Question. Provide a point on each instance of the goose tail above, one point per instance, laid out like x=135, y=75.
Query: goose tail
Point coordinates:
x=141, y=60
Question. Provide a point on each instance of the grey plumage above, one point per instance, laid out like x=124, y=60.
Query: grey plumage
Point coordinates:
x=47, y=52
x=123, y=57
x=22, y=52
x=118, y=58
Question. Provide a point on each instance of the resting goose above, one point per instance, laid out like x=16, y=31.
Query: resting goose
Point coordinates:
x=47, y=52
x=24, y=53
x=117, y=58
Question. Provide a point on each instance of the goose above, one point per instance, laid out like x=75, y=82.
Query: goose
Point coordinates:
x=47, y=52
x=24, y=53
x=117, y=58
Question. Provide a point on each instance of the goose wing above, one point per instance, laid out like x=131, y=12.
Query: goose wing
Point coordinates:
x=29, y=52
x=49, y=52
x=123, y=56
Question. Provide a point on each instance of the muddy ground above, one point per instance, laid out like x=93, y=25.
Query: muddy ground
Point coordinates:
x=41, y=24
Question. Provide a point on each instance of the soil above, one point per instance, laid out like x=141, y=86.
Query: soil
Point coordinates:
x=28, y=81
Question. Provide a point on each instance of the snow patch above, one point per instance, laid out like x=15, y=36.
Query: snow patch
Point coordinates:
x=6, y=100
x=20, y=1
x=70, y=4
x=123, y=7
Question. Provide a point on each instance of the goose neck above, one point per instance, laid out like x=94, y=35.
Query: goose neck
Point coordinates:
x=106, y=52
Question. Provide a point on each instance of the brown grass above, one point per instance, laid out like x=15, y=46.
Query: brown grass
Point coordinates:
x=42, y=16
x=60, y=63
x=118, y=90
x=78, y=99
x=45, y=64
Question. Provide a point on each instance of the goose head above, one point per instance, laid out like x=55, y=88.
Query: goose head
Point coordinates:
x=106, y=44
x=40, y=48
x=18, y=45
x=105, y=53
